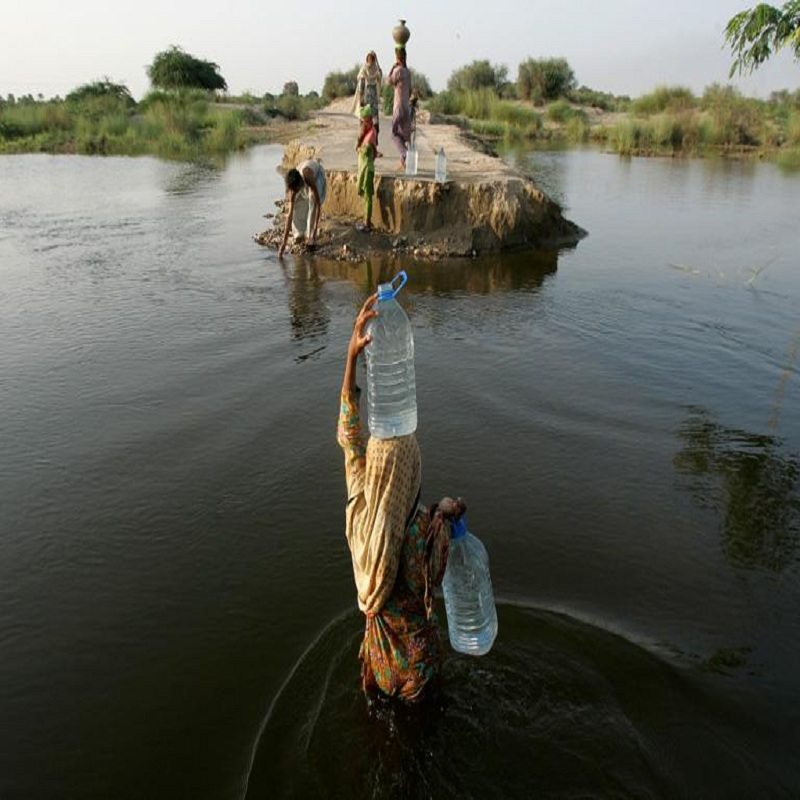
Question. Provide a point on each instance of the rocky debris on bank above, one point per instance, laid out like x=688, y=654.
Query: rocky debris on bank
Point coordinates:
x=342, y=241
x=485, y=206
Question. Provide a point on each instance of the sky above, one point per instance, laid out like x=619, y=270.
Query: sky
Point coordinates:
x=621, y=46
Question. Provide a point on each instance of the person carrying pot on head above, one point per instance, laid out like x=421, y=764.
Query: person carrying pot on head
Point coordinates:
x=306, y=187
x=400, y=78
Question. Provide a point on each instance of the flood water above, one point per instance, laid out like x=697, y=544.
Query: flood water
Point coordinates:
x=177, y=609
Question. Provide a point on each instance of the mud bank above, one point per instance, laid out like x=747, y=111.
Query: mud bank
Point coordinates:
x=484, y=207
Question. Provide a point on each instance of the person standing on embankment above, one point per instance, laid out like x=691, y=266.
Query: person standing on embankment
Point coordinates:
x=368, y=89
x=367, y=149
x=400, y=78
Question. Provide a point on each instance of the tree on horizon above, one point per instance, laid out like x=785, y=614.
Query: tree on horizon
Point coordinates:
x=176, y=69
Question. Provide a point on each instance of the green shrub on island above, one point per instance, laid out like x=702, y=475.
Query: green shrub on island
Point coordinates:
x=478, y=75
x=98, y=94
x=176, y=69
x=605, y=101
x=563, y=112
x=544, y=79
x=292, y=106
x=488, y=114
x=664, y=98
x=340, y=84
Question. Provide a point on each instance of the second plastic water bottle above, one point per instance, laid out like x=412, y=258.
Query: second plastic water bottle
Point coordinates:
x=391, y=383
x=412, y=159
x=468, y=595
x=440, y=171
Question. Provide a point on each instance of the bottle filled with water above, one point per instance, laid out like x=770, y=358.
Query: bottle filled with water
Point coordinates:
x=468, y=595
x=440, y=171
x=391, y=384
x=412, y=160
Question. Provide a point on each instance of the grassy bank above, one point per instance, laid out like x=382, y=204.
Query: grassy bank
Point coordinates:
x=178, y=125
x=668, y=121
x=672, y=121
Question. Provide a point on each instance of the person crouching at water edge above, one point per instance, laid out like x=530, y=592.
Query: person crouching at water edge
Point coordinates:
x=367, y=148
x=306, y=186
x=398, y=546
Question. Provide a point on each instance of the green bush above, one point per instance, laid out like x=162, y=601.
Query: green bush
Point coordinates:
x=488, y=114
x=420, y=84
x=577, y=129
x=22, y=120
x=443, y=103
x=735, y=120
x=665, y=98
x=545, y=79
x=340, y=84
x=790, y=159
x=515, y=114
x=478, y=75
x=562, y=112
x=490, y=128
x=605, y=101
x=793, y=129
x=104, y=90
x=176, y=69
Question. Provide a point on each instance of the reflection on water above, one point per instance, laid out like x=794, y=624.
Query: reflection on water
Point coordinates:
x=308, y=315
x=558, y=709
x=751, y=482
x=186, y=178
x=522, y=271
x=155, y=456
x=549, y=174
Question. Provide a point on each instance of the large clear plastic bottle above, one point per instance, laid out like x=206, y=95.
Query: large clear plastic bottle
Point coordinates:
x=440, y=171
x=391, y=383
x=412, y=160
x=468, y=595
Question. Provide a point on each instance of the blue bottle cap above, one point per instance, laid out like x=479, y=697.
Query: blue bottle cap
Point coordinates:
x=458, y=527
x=388, y=291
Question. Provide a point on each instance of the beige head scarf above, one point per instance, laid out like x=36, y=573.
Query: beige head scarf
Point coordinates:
x=369, y=73
x=376, y=519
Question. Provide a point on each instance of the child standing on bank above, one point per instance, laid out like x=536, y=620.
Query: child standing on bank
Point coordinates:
x=367, y=147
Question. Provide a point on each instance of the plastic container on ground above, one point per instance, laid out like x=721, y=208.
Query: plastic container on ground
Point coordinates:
x=440, y=172
x=412, y=161
x=391, y=382
x=468, y=595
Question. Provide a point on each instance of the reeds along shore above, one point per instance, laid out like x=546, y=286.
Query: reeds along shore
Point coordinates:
x=667, y=121
x=102, y=118
x=180, y=125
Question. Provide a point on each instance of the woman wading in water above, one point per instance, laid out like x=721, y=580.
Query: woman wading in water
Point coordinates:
x=398, y=546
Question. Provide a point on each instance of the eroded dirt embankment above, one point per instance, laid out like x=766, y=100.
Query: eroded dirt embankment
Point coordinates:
x=484, y=207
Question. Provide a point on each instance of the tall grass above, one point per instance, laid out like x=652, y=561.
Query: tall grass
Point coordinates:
x=722, y=119
x=182, y=125
x=664, y=98
x=489, y=115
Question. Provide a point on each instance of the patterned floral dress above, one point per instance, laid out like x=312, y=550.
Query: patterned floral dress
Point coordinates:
x=401, y=651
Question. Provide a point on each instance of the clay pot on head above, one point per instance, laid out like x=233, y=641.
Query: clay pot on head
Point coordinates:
x=400, y=33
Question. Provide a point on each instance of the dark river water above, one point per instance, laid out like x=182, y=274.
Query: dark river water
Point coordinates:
x=177, y=608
